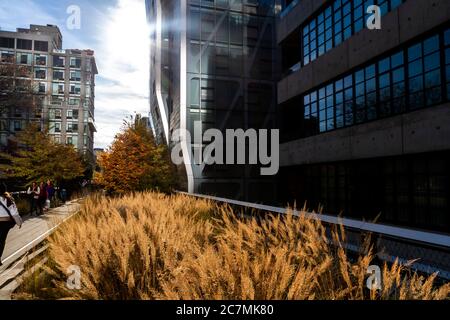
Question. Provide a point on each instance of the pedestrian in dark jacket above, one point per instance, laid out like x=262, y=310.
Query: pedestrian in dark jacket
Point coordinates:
x=33, y=192
x=50, y=189
x=63, y=192
x=42, y=197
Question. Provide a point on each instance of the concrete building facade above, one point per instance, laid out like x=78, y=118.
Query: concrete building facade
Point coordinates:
x=365, y=114
x=64, y=85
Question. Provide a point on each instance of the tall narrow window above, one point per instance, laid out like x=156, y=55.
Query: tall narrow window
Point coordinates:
x=24, y=44
x=75, y=62
x=59, y=61
x=41, y=46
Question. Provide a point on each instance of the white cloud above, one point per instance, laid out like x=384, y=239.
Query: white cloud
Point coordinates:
x=19, y=14
x=123, y=63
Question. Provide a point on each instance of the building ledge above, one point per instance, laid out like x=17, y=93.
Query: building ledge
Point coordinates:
x=408, y=21
x=424, y=130
x=293, y=18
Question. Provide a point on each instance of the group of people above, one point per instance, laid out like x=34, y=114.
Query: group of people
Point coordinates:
x=41, y=196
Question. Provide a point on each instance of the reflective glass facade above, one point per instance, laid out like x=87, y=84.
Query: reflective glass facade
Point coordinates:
x=287, y=6
x=233, y=65
x=231, y=72
x=231, y=81
x=336, y=23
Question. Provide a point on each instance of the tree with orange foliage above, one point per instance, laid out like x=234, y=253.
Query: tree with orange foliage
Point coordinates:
x=135, y=163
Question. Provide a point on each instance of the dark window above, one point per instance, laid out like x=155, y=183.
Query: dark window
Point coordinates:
x=208, y=59
x=75, y=76
x=410, y=191
x=75, y=89
x=336, y=23
x=194, y=24
x=447, y=61
x=222, y=60
x=58, y=75
x=24, y=44
x=7, y=42
x=7, y=56
x=41, y=45
x=236, y=29
x=72, y=127
x=195, y=93
x=404, y=81
x=208, y=24
x=17, y=125
x=42, y=87
x=424, y=73
x=75, y=62
x=194, y=58
x=59, y=61
x=223, y=29
x=40, y=73
x=23, y=59
x=236, y=61
x=40, y=60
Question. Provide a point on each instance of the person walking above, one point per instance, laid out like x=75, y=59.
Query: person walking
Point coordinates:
x=62, y=192
x=50, y=192
x=33, y=192
x=84, y=188
x=42, y=197
x=9, y=217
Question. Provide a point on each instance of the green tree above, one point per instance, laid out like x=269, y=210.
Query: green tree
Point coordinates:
x=37, y=157
x=135, y=163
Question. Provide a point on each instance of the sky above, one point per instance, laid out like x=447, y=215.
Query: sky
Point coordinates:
x=118, y=33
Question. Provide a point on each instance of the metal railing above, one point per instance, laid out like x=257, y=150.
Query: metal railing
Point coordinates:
x=34, y=251
x=391, y=242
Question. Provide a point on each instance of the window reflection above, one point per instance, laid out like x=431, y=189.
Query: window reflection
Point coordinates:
x=336, y=23
x=406, y=80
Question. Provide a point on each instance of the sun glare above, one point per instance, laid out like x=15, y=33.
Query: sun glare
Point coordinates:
x=126, y=42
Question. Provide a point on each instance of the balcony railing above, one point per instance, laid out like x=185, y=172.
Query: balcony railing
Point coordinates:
x=91, y=123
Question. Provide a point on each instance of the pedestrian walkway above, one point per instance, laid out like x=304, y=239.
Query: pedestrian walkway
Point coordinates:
x=34, y=230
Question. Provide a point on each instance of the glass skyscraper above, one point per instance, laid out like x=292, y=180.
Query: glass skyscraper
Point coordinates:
x=363, y=114
x=214, y=62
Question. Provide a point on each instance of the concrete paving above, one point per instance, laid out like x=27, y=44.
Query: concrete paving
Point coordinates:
x=34, y=230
